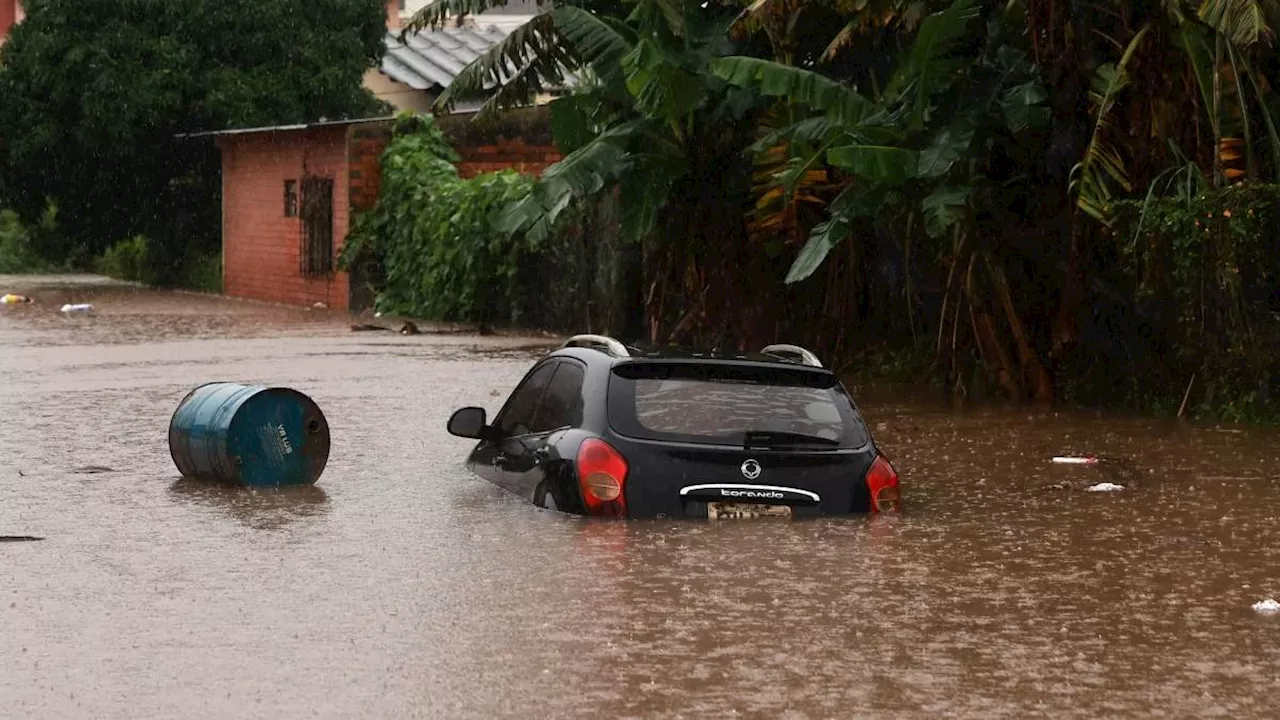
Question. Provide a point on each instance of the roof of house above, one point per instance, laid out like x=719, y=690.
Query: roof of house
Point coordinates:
x=286, y=128
x=432, y=59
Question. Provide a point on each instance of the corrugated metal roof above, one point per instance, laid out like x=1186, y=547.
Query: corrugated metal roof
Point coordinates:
x=431, y=60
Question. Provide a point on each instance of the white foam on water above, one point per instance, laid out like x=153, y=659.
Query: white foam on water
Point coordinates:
x=1267, y=606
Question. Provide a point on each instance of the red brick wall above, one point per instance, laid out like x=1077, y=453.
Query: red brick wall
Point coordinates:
x=261, y=246
x=10, y=13
x=364, y=154
x=506, y=153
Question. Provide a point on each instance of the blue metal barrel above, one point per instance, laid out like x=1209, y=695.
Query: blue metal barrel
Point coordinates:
x=249, y=435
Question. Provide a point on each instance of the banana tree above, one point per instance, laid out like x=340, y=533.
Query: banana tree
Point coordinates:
x=1180, y=76
x=647, y=123
x=923, y=148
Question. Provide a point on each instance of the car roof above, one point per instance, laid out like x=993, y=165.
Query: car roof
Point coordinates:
x=589, y=347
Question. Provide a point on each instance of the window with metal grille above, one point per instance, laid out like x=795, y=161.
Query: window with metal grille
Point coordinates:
x=316, y=257
x=291, y=198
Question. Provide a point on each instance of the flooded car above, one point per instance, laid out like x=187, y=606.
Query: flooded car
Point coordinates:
x=600, y=428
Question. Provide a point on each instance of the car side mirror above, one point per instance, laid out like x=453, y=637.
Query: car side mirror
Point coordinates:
x=469, y=422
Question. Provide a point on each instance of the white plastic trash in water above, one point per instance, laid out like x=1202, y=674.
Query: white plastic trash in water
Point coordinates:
x=1105, y=487
x=1062, y=460
x=83, y=309
x=1267, y=606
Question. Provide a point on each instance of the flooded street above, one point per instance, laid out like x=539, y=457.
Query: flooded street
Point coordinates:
x=401, y=586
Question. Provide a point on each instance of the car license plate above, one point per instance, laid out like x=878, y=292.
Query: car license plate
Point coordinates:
x=733, y=511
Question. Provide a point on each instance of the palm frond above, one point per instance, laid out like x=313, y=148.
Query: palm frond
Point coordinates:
x=762, y=13
x=516, y=69
x=536, y=56
x=1267, y=119
x=1102, y=164
x=434, y=15
x=598, y=43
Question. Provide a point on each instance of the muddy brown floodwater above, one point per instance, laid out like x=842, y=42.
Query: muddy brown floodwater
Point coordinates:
x=400, y=586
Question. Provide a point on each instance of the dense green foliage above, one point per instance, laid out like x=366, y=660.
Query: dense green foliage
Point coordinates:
x=20, y=243
x=142, y=260
x=1202, y=271
x=93, y=93
x=953, y=174
x=432, y=232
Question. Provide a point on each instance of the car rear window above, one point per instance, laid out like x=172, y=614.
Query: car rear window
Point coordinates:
x=719, y=403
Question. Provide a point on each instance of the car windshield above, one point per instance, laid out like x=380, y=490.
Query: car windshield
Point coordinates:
x=733, y=404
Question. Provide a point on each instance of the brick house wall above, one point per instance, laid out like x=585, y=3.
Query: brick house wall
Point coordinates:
x=11, y=14
x=503, y=153
x=262, y=246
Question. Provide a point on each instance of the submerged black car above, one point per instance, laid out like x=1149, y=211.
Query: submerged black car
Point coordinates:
x=600, y=428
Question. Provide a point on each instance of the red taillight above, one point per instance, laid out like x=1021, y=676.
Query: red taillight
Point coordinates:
x=882, y=482
x=602, y=474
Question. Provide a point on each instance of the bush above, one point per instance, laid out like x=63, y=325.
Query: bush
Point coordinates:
x=440, y=254
x=129, y=260
x=139, y=259
x=201, y=272
x=19, y=244
x=1199, y=277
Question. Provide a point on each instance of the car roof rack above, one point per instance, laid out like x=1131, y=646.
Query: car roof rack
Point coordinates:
x=805, y=356
x=613, y=347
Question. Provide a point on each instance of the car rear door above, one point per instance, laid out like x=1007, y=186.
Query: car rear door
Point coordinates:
x=559, y=409
x=513, y=423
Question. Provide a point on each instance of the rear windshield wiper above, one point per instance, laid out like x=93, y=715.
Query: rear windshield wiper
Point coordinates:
x=778, y=439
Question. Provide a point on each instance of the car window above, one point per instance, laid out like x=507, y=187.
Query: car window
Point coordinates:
x=561, y=404
x=517, y=417
x=703, y=404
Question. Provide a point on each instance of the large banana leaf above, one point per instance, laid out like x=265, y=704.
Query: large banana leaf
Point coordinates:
x=535, y=56
x=581, y=173
x=932, y=61
x=661, y=86
x=802, y=87
x=857, y=201
x=875, y=163
x=519, y=68
x=943, y=208
x=1243, y=22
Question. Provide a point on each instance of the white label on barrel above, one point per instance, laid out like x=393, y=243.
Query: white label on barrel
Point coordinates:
x=284, y=440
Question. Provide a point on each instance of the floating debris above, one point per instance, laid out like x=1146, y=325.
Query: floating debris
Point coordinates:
x=1067, y=460
x=249, y=435
x=1105, y=487
x=81, y=309
x=12, y=299
x=1267, y=606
